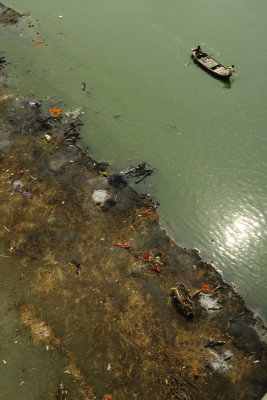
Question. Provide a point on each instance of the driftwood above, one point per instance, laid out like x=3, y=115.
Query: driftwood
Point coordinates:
x=140, y=171
x=184, y=300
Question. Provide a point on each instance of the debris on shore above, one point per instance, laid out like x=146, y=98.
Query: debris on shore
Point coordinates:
x=184, y=300
x=92, y=284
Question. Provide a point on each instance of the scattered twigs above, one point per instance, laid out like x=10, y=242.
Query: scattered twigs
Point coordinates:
x=178, y=387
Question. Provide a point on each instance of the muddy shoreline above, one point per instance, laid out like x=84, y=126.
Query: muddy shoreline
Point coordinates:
x=91, y=273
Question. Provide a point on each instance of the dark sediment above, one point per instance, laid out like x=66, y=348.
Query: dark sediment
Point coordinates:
x=96, y=275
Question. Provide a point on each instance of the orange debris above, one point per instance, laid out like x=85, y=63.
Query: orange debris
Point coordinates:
x=56, y=112
x=205, y=288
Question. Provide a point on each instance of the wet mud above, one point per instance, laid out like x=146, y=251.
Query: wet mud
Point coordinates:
x=90, y=275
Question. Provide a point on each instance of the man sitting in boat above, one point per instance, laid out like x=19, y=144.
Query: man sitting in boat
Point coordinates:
x=198, y=52
x=229, y=70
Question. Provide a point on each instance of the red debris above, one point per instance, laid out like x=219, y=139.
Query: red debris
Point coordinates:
x=157, y=269
x=146, y=256
x=197, y=374
x=148, y=211
x=123, y=245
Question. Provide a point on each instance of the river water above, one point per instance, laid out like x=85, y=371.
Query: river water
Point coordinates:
x=205, y=138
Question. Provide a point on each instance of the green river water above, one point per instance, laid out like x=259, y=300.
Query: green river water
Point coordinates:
x=205, y=138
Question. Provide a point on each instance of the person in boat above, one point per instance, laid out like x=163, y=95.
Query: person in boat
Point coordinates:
x=229, y=70
x=198, y=51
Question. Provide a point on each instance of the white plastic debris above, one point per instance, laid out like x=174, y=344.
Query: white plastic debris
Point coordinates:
x=100, y=195
x=208, y=302
x=220, y=362
x=17, y=184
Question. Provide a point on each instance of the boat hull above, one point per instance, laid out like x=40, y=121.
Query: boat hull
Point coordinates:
x=213, y=66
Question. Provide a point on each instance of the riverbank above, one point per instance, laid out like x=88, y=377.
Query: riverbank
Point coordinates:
x=90, y=273
x=104, y=269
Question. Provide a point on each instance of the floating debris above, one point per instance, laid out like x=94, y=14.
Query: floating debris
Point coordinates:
x=56, y=112
x=74, y=114
x=34, y=104
x=139, y=171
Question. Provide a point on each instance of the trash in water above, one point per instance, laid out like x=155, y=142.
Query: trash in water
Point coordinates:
x=34, y=104
x=83, y=86
x=100, y=195
x=145, y=256
x=55, y=112
x=37, y=43
x=139, y=171
x=48, y=137
x=4, y=361
x=3, y=199
x=45, y=271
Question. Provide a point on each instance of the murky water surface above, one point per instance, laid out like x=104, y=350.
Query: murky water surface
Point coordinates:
x=206, y=139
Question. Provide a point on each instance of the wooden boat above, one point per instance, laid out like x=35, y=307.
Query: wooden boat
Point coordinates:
x=211, y=64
